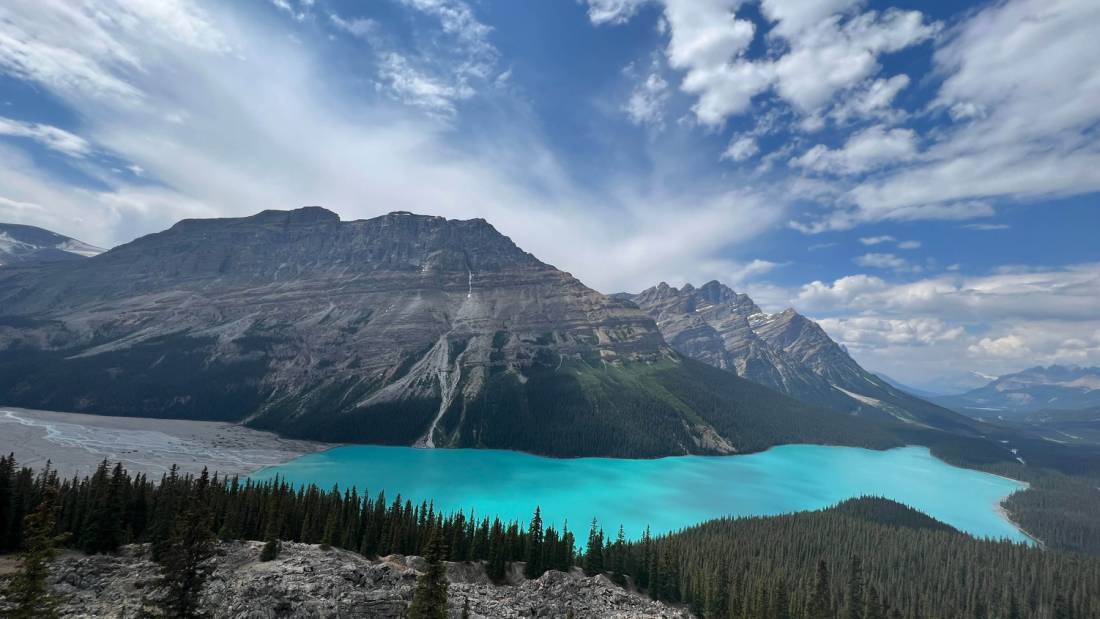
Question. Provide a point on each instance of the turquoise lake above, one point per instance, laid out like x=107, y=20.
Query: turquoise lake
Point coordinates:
x=667, y=493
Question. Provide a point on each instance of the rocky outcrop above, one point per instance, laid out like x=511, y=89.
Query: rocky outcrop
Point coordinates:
x=308, y=581
x=785, y=351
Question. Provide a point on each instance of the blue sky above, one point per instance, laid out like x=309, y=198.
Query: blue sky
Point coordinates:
x=921, y=177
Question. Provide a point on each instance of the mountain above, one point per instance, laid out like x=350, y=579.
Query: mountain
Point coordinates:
x=21, y=244
x=399, y=329
x=1015, y=395
x=786, y=352
x=920, y=393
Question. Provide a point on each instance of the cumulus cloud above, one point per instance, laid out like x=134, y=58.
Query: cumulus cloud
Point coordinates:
x=872, y=148
x=828, y=49
x=833, y=54
x=741, y=149
x=1023, y=114
x=867, y=331
x=996, y=323
x=1005, y=347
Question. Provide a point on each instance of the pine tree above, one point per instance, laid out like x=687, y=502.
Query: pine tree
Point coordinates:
x=430, y=599
x=821, y=605
x=873, y=608
x=593, y=554
x=781, y=603
x=533, y=569
x=854, y=597
x=29, y=589
x=103, y=525
x=618, y=557
x=184, y=565
x=497, y=553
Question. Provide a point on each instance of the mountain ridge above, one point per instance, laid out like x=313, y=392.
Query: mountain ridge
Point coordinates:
x=784, y=351
x=398, y=329
x=1029, y=391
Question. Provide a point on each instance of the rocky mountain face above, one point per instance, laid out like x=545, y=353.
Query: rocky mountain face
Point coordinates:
x=399, y=329
x=307, y=581
x=786, y=352
x=21, y=244
x=1056, y=387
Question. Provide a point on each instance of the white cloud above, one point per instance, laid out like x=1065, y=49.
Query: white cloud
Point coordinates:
x=986, y=227
x=877, y=240
x=230, y=134
x=995, y=323
x=647, y=101
x=741, y=149
x=1021, y=85
x=873, y=100
x=613, y=11
x=828, y=51
x=872, y=148
x=49, y=136
x=361, y=27
x=1005, y=347
x=833, y=54
x=1068, y=293
x=909, y=245
x=867, y=331
x=884, y=261
x=411, y=86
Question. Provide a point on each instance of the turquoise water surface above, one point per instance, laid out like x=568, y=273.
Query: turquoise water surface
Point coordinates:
x=666, y=493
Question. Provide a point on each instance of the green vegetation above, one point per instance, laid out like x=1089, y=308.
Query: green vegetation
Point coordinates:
x=645, y=410
x=863, y=559
x=29, y=590
x=430, y=599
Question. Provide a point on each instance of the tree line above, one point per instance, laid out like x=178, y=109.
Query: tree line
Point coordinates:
x=865, y=559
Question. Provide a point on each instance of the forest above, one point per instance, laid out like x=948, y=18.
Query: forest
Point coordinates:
x=862, y=559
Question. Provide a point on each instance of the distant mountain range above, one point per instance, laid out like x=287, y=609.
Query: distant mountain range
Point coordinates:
x=21, y=244
x=786, y=352
x=1013, y=396
x=409, y=329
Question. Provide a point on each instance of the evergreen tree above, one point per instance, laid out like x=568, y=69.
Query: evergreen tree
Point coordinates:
x=534, y=568
x=821, y=605
x=593, y=554
x=873, y=608
x=497, y=567
x=854, y=597
x=184, y=564
x=29, y=589
x=780, y=604
x=103, y=524
x=618, y=557
x=430, y=599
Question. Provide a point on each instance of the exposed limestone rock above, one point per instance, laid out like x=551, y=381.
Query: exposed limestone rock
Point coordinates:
x=307, y=581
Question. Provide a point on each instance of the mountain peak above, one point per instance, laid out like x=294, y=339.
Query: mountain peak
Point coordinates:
x=23, y=244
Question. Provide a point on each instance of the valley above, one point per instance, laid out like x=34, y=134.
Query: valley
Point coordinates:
x=75, y=444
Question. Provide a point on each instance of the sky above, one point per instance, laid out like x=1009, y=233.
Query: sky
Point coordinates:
x=920, y=177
